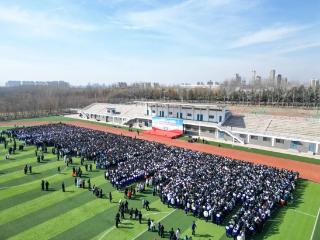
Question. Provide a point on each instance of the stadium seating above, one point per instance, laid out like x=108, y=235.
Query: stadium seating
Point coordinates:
x=302, y=128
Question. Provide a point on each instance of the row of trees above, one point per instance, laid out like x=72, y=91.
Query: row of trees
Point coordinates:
x=295, y=96
x=43, y=100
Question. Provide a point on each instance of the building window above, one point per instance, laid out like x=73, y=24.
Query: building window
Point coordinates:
x=254, y=137
x=189, y=115
x=266, y=139
x=295, y=144
x=211, y=116
x=153, y=111
x=170, y=113
x=312, y=147
x=279, y=141
x=243, y=135
x=199, y=117
x=221, y=134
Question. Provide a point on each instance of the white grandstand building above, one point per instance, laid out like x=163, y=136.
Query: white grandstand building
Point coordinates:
x=214, y=122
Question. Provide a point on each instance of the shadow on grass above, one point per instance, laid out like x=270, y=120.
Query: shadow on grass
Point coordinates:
x=272, y=227
x=50, y=190
x=69, y=191
x=204, y=235
x=153, y=210
x=121, y=226
x=46, y=160
x=82, y=176
x=140, y=195
x=127, y=223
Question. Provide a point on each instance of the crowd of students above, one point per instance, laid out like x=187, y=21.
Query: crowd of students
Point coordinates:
x=205, y=185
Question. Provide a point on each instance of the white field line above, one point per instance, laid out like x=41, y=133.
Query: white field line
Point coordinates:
x=106, y=232
x=157, y=221
x=315, y=224
x=112, y=228
x=155, y=213
x=304, y=213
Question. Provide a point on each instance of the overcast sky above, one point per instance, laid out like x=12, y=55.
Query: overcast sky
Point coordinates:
x=174, y=41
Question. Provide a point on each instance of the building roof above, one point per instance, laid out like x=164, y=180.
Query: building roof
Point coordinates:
x=122, y=110
x=186, y=104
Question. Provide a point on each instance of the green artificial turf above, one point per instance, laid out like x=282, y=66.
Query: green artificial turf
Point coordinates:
x=49, y=118
x=26, y=212
x=5, y=127
x=316, y=228
x=65, y=119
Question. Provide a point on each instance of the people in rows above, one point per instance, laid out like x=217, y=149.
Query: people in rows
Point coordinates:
x=204, y=185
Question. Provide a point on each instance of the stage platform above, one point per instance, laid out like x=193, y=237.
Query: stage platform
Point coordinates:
x=163, y=133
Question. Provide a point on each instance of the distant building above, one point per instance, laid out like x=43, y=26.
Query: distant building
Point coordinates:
x=254, y=76
x=60, y=84
x=37, y=83
x=284, y=83
x=28, y=83
x=13, y=84
x=156, y=84
x=119, y=85
x=145, y=85
x=258, y=80
x=238, y=79
x=279, y=80
x=314, y=83
x=209, y=84
x=122, y=84
x=272, y=77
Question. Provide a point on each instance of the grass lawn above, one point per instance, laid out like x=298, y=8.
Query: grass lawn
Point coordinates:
x=316, y=228
x=4, y=128
x=261, y=151
x=67, y=119
x=26, y=212
x=50, y=118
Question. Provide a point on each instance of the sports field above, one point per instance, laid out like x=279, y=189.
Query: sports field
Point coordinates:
x=26, y=212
